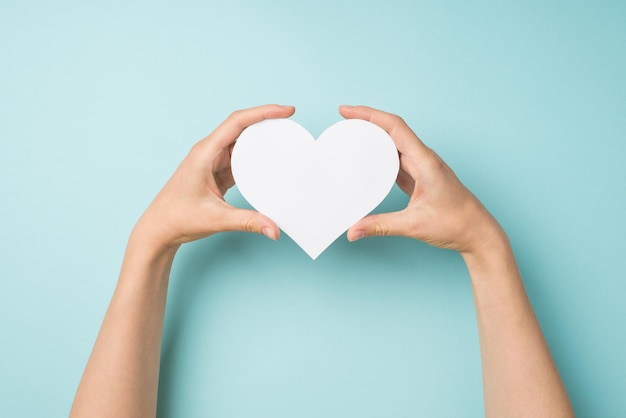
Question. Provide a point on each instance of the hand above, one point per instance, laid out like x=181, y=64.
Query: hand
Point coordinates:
x=191, y=205
x=441, y=211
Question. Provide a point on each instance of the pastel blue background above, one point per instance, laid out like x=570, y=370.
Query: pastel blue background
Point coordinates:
x=99, y=103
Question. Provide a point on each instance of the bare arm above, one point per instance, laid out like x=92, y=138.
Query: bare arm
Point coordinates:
x=121, y=376
x=520, y=378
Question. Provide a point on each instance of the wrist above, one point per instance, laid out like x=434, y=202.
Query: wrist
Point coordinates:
x=480, y=232
x=494, y=258
x=493, y=246
x=146, y=241
x=151, y=234
x=146, y=266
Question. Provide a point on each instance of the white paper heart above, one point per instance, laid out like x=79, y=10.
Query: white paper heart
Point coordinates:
x=314, y=190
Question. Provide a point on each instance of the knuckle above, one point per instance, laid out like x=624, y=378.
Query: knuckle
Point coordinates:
x=198, y=151
x=235, y=115
x=196, y=148
x=248, y=225
x=237, y=119
x=432, y=161
x=398, y=119
x=380, y=230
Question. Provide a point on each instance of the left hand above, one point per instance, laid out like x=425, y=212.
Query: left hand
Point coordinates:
x=191, y=205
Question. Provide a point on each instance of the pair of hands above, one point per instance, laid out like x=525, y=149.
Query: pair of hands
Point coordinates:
x=441, y=211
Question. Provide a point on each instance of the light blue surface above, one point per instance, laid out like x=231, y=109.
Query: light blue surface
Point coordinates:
x=99, y=103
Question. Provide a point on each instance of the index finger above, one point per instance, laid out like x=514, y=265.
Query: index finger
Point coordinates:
x=405, y=139
x=229, y=130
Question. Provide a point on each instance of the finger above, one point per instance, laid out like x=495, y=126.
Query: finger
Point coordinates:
x=405, y=139
x=382, y=224
x=229, y=130
x=250, y=221
x=405, y=182
x=224, y=180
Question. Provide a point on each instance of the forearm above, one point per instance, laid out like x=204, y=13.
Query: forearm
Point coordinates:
x=519, y=376
x=121, y=376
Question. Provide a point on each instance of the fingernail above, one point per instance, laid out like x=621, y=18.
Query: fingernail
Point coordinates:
x=269, y=233
x=358, y=236
x=345, y=105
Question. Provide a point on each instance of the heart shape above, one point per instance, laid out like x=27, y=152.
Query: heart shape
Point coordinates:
x=314, y=190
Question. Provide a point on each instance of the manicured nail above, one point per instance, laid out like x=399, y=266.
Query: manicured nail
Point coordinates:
x=268, y=233
x=358, y=236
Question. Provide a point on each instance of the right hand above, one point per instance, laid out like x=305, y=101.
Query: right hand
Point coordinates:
x=441, y=211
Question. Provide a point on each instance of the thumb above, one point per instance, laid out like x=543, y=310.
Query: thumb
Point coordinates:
x=252, y=221
x=382, y=224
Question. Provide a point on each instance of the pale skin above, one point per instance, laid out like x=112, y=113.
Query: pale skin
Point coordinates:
x=520, y=378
